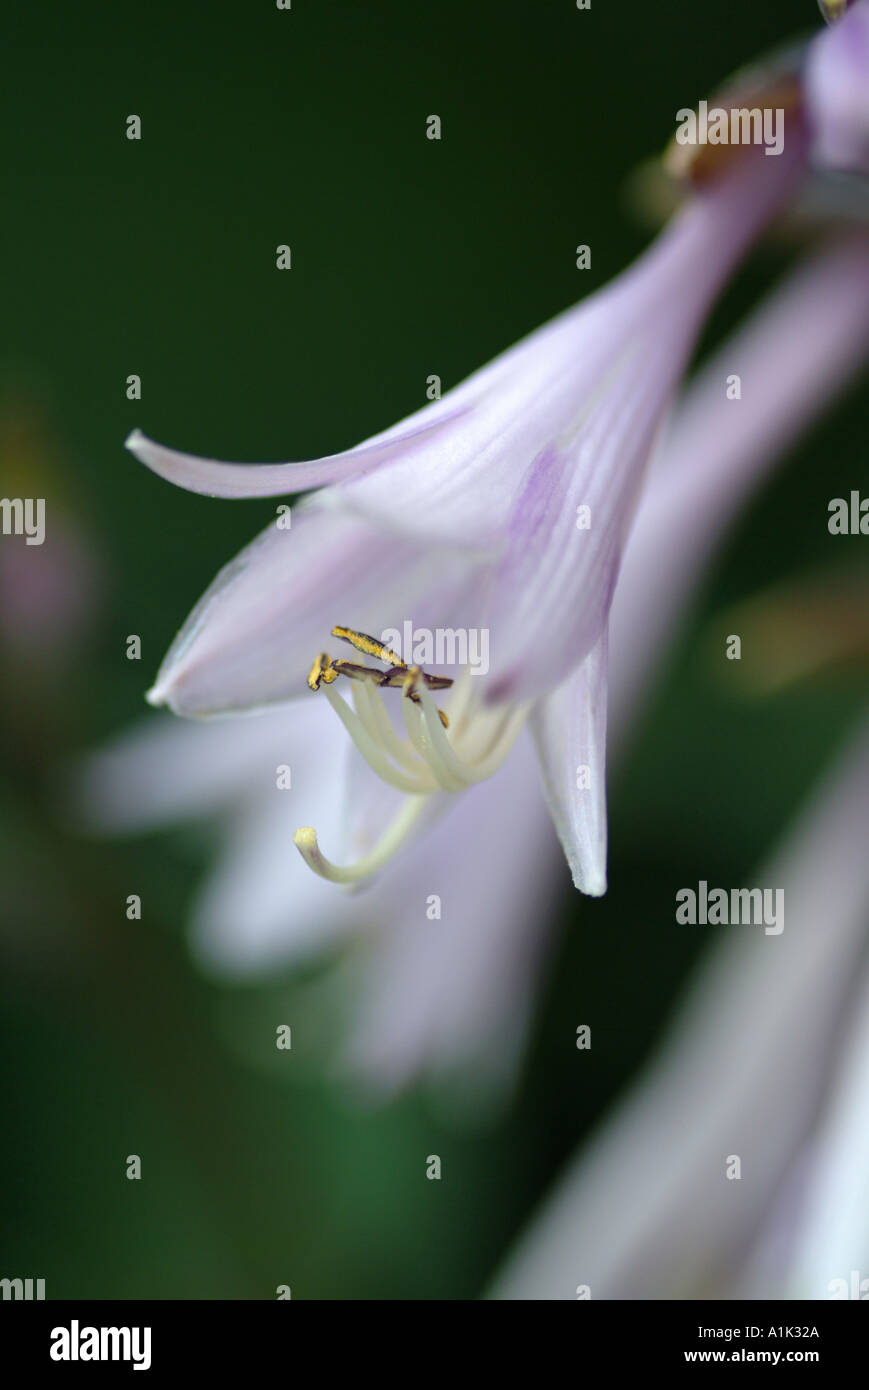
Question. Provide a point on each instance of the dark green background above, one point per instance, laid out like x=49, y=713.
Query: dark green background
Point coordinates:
x=409, y=257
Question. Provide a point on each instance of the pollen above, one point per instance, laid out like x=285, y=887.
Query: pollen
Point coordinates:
x=322, y=670
x=369, y=645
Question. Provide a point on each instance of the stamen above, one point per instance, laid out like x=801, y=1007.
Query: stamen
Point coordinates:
x=461, y=698
x=445, y=755
x=327, y=671
x=414, y=722
x=425, y=763
x=371, y=752
x=374, y=715
x=369, y=645
x=414, y=677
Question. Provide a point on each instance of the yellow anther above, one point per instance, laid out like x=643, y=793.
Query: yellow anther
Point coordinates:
x=369, y=645
x=318, y=671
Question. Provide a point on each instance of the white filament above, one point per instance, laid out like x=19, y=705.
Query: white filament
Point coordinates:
x=428, y=761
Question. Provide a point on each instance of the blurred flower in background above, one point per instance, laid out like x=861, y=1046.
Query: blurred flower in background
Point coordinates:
x=762, y=1064
x=48, y=590
x=807, y=629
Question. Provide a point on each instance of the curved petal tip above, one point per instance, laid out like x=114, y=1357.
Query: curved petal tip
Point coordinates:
x=157, y=695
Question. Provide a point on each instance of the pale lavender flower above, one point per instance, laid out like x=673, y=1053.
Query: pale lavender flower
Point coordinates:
x=646, y=1210
x=436, y=992
x=837, y=91
x=465, y=516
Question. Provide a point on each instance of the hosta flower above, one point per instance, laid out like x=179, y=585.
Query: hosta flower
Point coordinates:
x=436, y=994
x=772, y=1032
x=837, y=90
x=503, y=507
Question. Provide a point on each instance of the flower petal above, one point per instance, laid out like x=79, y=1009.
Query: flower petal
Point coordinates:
x=261, y=906
x=214, y=478
x=430, y=428
x=162, y=770
x=251, y=639
x=573, y=512
x=569, y=727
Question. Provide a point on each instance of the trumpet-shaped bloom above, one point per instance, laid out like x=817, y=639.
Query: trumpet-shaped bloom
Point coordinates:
x=502, y=507
x=436, y=993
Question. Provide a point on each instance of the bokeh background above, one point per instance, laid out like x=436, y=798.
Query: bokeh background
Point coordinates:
x=409, y=257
